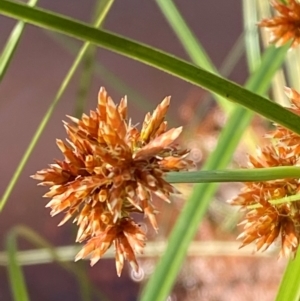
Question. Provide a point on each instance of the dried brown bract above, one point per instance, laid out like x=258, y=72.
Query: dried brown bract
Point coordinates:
x=110, y=170
x=265, y=221
x=286, y=25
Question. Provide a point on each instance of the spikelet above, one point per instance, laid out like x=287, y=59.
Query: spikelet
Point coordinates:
x=285, y=26
x=109, y=171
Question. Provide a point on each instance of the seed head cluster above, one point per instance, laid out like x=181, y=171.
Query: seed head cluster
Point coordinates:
x=285, y=26
x=110, y=170
x=267, y=221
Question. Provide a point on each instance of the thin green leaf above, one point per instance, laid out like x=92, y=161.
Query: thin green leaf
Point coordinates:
x=190, y=43
x=12, y=44
x=88, y=61
x=199, y=57
x=16, y=277
x=264, y=12
x=194, y=48
x=239, y=175
x=85, y=81
x=153, y=249
x=251, y=34
x=139, y=101
x=289, y=288
x=48, y=114
x=155, y=58
x=15, y=270
x=286, y=199
x=163, y=278
x=187, y=38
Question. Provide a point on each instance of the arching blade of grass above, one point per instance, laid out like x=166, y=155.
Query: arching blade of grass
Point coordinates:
x=155, y=58
x=49, y=112
x=200, y=58
x=163, y=278
x=16, y=277
x=289, y=288
x=186, y=37
x=190, y=43
x=17, y=280
x=194, y=48
x=12, y=43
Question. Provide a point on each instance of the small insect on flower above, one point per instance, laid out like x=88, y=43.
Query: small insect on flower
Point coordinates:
x=285, y=26
x=268, y=220
x=110, y=170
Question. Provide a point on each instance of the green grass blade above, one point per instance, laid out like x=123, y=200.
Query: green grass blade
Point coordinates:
x=153, y=249
x=161, y=282
x=251, y=34
x=17, y=280
x=193, y=46
x=289, y=288
x=47, y=116
x=264, y=11
x=88, y=62
x=85, y=81
x=10, y=48
x=190, y=43
x=16, y=277
x=199, y=56
x=238, y=175
x=139, y=101
x=186, y=37
x=12, y=44
x=155, y=58
x=234, y=55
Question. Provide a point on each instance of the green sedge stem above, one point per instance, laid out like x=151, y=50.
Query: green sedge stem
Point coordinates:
x=286, y=199
x=238, y=175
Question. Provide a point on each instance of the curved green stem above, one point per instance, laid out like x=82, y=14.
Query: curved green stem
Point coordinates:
x=155, y=58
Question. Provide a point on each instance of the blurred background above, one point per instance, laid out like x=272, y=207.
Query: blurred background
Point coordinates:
x=213, y=271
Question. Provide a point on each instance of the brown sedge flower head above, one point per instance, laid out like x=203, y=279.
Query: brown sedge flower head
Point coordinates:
x=110, y=170
x=265, y=221
x=286, y=25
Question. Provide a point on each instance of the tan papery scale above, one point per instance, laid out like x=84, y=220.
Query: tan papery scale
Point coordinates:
x=269, y=222
x=111, y=170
